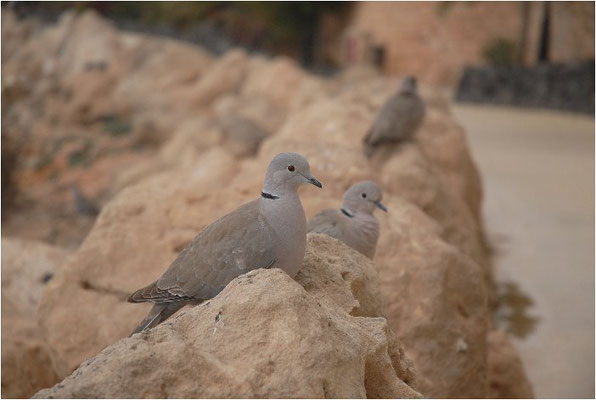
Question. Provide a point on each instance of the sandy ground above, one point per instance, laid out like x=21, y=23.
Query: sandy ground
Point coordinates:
x=538, y=172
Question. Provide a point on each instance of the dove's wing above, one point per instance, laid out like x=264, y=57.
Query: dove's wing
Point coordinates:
x=328, y=222
x=231, y=246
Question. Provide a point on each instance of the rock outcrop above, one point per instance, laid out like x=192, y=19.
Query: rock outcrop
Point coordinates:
x=263, y=336
x=213, y=125
x=435, y=277
x=26, y=268
x=508, y=379
x=99, y=118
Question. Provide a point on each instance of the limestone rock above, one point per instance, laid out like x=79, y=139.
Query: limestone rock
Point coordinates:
x=331, y=271
x=15, y=32
x=165, y=211
x=340, y=356
x=242, y=136
x=225, y=76
x=257, y=109
x=190, y=120
x=91, y=289
x=26, y=267
x=436, y=298
x=413, y=176
x=443, y=141
x=281, y=91
x=506, y=375
x=263, y=336
x=433, y=269
x=25, y=358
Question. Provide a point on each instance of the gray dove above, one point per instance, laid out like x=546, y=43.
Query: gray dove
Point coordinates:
x=83, y=205
x=265, y=233
x=398, y=119
x=354, y=223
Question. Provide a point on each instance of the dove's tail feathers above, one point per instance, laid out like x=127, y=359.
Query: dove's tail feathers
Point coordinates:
x=158, y=314
x=153, y=294
x=147, y=294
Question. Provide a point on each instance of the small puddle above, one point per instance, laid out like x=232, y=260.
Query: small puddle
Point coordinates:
x=513, y=310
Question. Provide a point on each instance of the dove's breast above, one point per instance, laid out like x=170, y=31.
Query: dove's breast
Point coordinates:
x=285, y=217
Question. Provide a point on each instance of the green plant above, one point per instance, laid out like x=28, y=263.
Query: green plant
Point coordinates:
x=81, y=156
x=116, y=126
x=499, y=51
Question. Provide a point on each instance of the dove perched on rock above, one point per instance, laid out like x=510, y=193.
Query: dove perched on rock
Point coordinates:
x=354, y=223
x=398, y=119
x=83, y=205
x=269, y=232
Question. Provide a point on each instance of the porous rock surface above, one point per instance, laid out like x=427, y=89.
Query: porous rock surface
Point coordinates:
x=508, y=378
x=263, y=336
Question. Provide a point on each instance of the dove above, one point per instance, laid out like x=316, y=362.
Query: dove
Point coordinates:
x=354, y=223
x=83, y=205
x=269, y=232
x=398, y=119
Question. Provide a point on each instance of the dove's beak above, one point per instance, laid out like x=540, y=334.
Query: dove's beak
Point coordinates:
x=315, y=182
x=380, y=205
x=311, y=179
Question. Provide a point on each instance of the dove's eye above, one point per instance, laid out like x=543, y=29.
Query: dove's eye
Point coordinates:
x=364, y=195
x=291, y=168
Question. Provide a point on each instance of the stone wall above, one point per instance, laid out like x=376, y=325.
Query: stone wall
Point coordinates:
x=568, y=87
x=416, y=321
x=436, y=40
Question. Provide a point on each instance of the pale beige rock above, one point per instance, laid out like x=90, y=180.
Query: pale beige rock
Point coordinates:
x=506, y=376
x=440, y=137
x=90, y=39
x=436, y=297
x=431, y=257
x=26, y=267
x=193, y=137
x=341, y=356
x=260, y=82
x=153, y=83
x=165, y=212
x=224, y=76
x=95, y=70
x=195, y=142
x=413, y=176
x=342, y=277
x=62, y=92
x=26, y=366
x=258, y=109
x=325, y=133
x=443, y=141
x=241, y=136
x=432, y=264
x=15, y=32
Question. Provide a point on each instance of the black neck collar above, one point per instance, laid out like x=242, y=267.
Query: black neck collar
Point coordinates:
x=347, y=213
x=269, y=196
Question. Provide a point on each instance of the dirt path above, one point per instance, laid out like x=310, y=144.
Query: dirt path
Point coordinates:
x=538, y=172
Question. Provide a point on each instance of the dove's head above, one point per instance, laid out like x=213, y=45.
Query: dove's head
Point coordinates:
x=364, y=197
x=408, y=85
x=286, y=172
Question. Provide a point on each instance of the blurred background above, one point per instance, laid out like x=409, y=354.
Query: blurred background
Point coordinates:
x=449, y=44
x=519, y=77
